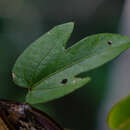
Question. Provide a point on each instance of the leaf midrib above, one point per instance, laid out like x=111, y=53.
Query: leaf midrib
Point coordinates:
x=70, y=65
x=44, y=58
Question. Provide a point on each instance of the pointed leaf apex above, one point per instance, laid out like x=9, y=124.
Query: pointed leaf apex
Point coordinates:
x=69, y=25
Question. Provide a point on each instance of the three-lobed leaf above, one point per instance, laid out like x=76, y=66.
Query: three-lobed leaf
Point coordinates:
x=50, y=70
x=119, y=116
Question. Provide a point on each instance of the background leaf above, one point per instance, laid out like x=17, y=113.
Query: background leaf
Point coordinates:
x=125, y=126
x=119, y=116
x=46, y=63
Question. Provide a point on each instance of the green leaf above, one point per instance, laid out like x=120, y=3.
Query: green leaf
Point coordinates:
x=119, y=116
x=35, y=62
x=55, y=91
x=47, y=63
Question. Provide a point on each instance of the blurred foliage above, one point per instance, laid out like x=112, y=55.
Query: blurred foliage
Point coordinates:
x=119, y=116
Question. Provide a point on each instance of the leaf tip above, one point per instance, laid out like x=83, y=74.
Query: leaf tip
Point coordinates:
x=68, y=25
x=71, y=24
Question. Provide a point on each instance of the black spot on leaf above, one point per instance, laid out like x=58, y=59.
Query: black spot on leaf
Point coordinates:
x=64, y=81
x=109, y=42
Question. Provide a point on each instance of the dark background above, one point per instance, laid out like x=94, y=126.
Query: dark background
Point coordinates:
x=21, y=22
